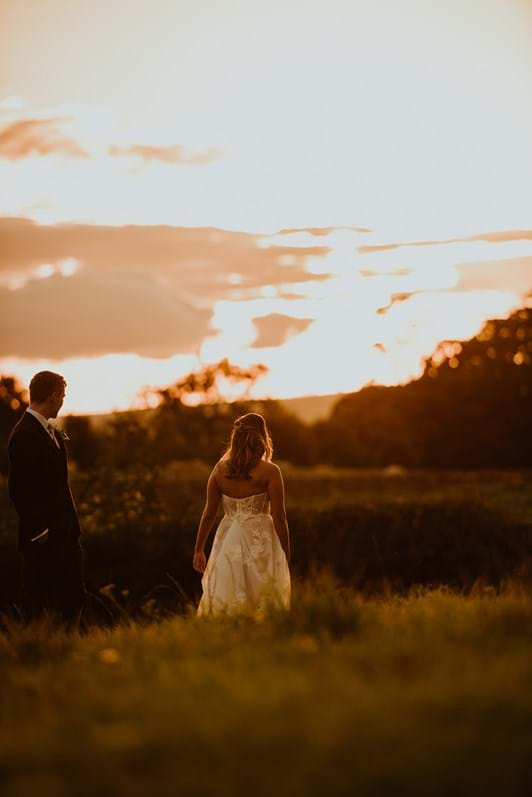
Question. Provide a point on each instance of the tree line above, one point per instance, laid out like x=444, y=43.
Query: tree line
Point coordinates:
x=471, y=408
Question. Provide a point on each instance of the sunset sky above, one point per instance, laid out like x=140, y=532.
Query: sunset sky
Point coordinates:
x=328, y=188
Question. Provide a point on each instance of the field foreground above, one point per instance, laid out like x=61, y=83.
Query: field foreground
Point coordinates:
x=425, y=694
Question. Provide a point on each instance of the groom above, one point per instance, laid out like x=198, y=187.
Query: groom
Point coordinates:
x=48, y=528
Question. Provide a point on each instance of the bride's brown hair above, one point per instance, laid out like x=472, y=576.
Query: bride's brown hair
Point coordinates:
x=250, y=442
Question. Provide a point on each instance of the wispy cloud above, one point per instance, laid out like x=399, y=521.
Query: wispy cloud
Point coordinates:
x=37, y=137
x=59, y=135
x=321, y=231
x=167, y=154
x=490, y=237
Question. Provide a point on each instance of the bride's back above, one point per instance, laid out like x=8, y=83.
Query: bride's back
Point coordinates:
x=243, y=488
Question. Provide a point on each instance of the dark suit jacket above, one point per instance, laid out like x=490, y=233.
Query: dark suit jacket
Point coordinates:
x=38, y=485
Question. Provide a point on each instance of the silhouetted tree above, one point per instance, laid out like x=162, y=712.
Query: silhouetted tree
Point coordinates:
x=126, y=441
x=471, y=408
x=85, y=444
x=180, y=431
x=13, y=402
x=204, y=384
x=177, y=430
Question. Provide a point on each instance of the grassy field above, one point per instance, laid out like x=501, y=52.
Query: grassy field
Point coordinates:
x=375, y=530
x=506, y=491
x=425, y=694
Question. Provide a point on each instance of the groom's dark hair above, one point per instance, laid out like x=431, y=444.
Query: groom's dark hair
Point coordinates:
x=44, y=384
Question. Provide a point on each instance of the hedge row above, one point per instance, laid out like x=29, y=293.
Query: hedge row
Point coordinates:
x=373, y=547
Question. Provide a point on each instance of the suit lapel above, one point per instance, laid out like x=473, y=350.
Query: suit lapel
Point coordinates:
x=62, y=446
x=39, y=428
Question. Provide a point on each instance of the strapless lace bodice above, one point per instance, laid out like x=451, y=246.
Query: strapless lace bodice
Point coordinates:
x=258, y=504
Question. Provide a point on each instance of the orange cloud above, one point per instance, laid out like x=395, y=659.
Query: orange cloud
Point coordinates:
x=25, y=138
x=168, y=154
x=321, y=231
x=490, y=237
x=515, y=272
x=82, y=290
x=199, y=257
x=396, y=297
x=144, y=290
x=91, y=314
x=276, y=328
x=41, y=137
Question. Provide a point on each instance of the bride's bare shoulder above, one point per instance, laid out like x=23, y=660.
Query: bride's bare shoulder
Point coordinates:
x=219, y=470
x=268, y=469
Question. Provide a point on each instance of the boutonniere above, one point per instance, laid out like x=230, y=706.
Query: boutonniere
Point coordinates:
x=62, y=433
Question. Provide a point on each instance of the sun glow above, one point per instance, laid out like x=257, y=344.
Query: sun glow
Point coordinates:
x=331, y=191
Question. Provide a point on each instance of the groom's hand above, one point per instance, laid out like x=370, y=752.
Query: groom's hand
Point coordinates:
x=200, y=562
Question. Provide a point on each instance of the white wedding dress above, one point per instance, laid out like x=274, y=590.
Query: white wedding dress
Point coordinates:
x=247, y=566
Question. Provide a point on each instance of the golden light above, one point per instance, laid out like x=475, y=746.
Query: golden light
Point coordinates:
x=359, y=142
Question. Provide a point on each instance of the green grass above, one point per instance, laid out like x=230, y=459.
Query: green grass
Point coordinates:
x=506, y=491
x=371, y=528
x=428, y=694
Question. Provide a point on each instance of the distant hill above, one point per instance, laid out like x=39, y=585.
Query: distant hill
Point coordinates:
x=311, y=408
x=306, y=408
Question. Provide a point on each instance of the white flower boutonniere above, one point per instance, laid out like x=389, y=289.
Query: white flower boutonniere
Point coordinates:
x=62, y=433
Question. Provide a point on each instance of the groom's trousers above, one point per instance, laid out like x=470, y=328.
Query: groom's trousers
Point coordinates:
x=53, y=580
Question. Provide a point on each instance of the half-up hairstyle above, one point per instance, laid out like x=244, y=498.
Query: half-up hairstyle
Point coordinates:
x=250, y=443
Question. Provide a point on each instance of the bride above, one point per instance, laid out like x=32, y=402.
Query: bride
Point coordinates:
x=248, y=563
